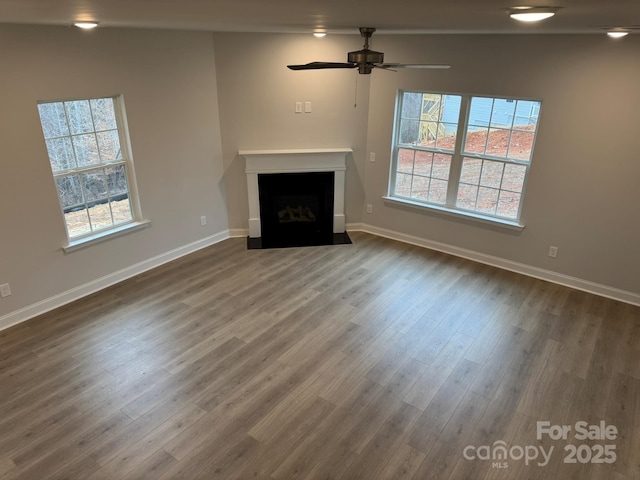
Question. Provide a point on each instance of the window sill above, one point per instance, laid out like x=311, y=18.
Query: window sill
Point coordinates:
x=83, y=242
x=476, y=217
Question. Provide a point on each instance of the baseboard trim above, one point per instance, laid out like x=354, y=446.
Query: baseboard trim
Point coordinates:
x=542, y=274
x=77, y=293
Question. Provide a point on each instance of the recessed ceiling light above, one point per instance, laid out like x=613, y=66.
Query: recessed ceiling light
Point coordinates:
x=86, y=25
x=617, y=33
x=319, y=34
x=531, y=14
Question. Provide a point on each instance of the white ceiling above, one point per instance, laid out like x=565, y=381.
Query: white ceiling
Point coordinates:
x=389, y=16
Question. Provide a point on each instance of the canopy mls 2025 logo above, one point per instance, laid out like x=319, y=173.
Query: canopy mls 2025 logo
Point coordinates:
x=500, y=453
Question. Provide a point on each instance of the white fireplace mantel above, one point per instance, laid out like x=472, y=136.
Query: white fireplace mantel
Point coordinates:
x=296, y=161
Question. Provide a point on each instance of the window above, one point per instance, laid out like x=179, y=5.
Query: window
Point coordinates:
x=462, y=153
x=88, y=153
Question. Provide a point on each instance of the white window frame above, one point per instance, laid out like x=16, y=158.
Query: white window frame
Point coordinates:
x=116, y=229
x=457, y=156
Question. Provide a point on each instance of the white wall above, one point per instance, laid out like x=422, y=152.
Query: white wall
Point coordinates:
x=582, y=194
x=257, y=96
x=169, y=86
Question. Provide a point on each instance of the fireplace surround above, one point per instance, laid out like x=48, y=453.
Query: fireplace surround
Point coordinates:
x=264, y=165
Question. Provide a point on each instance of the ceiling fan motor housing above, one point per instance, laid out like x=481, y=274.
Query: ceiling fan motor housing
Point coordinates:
x=365, y=59
x=365, y=56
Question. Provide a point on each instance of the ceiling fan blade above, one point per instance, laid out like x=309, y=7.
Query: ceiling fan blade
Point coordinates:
x=414, y=65
x=321, y=65
x=365, y=60
x=385, y=66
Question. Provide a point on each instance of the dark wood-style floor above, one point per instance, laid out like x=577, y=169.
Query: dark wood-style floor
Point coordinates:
x=372, y=361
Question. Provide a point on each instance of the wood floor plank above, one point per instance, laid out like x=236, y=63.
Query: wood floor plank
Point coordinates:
x=42, y=426
x=7, y=468
x=370, y=351
x=152, y=468
x=118, y=459
x=134, y=437
x=405, y=378
x=371, y=460
x=367, y=426
x=195, y=380
x=437, y=373
x=239, y=412
x=520, y=427
x=443, y=454
x=283, y=438
x=491, y=335
x=371, y=361
x=52, y=455
x=446, y=400
x=499, y=361
x=298, y=400
x=402, y=464
x=332, y=334
x=384, y=370
x=323, y=445
x=79, y=467
x=624, y=413
x=542, y=378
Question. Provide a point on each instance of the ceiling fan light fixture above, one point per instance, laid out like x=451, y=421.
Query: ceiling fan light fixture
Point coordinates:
x=532, y=14
x=616, y=33
x=86, y=25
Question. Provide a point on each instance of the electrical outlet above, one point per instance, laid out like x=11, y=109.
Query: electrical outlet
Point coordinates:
x=203, y=220
x=5, y=290
x=372, y=157
x=369, y=208
x=298, y=107
x=553, y=252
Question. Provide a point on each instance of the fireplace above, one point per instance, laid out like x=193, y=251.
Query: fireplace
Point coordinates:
x=296, y=208
x=296, y=197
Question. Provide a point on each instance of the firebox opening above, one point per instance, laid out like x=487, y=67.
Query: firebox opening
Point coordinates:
x=296, y=209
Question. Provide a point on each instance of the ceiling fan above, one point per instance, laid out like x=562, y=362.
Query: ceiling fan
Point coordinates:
x=364, y=60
